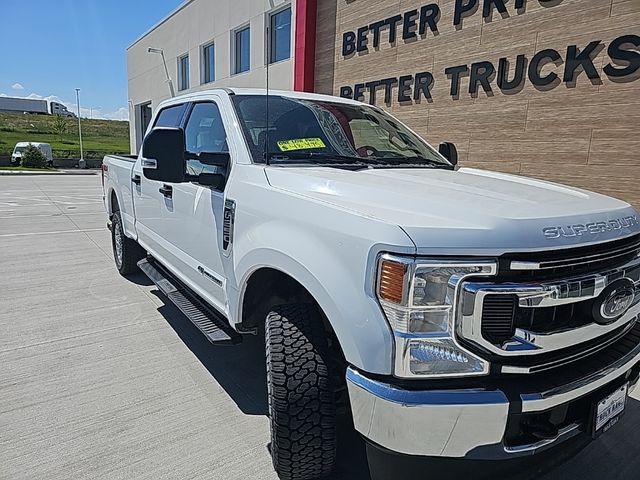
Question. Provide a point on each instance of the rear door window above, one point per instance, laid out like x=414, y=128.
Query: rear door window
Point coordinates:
x=171, y=116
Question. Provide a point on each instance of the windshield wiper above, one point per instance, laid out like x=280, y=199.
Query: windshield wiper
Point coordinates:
x=336, y=159
x=321, y=157
x=415, y=160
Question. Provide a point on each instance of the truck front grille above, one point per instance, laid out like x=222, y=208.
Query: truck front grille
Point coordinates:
x=501, y=316
x=529, y=323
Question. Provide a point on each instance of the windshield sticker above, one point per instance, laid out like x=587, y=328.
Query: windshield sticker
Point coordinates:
x=300, y=144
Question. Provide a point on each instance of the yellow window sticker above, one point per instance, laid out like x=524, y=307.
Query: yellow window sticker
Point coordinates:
x=300, y=144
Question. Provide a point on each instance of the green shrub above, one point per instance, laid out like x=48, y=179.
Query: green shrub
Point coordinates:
x=60, y=126
x=33, y=157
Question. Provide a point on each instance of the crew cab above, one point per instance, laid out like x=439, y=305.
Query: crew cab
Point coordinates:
x=454, y=312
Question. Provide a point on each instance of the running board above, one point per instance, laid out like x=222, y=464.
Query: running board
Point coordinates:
x=209, y=322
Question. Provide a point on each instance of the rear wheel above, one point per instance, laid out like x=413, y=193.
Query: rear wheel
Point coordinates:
x=301, y=400
x=126, y=252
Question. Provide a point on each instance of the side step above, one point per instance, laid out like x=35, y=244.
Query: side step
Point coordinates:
x=211, y=323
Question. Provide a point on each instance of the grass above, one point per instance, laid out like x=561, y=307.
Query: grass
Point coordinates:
x=29, y=169
x=99, y=137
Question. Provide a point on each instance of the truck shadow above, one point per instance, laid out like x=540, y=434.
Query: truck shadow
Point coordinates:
x=140, y=279
x=241, y=371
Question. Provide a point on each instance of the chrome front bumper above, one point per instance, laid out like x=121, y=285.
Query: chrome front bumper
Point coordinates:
x=469, y=423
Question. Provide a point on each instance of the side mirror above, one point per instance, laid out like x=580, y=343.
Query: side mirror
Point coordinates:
x=215, y=176
x=163, y=155
x=449, y=151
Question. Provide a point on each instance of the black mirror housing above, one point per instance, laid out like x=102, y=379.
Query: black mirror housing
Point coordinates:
x=213, y=180
x=215, y=177
x=449, y=151
x=163, y=156
x=216, y=159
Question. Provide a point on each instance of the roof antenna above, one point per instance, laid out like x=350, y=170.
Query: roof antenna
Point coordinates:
x=267, y=157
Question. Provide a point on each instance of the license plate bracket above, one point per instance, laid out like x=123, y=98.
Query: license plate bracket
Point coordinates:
x=608, y=410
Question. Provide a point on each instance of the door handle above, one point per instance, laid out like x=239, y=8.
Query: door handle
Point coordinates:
x=136, y=179
x=166, y=190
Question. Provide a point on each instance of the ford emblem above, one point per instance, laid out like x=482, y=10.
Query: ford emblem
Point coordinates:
x=616, y=301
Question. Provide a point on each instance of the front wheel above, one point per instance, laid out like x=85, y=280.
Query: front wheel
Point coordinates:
x=126, y=252
x=301, y=400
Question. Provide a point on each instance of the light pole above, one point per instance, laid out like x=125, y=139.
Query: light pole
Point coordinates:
x=91, y=109
x=166, y=70
x=81, y=162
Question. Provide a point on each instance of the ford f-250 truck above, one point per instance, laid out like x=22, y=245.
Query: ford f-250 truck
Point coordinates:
x=457, y=312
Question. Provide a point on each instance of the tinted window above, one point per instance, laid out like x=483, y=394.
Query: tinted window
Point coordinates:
x=183, y=72
x=170, y=116
x=281, y=35
x=242, y=47
x=204, y=133
x=208, y=63
x=298, y=126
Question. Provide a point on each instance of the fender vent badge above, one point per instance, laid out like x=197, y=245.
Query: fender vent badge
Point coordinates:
x=228, y=221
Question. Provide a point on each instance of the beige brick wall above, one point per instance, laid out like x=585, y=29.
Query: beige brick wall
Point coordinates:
x=587, y=135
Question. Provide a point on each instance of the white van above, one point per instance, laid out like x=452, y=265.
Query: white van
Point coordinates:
x=45, y=148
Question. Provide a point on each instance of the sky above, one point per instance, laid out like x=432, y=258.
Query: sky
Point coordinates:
x=48, y=48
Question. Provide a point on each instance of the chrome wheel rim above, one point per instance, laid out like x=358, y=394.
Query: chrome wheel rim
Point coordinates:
x=118, y=242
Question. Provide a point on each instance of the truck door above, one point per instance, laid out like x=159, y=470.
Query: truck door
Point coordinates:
x=150, y=205
x=193, y=216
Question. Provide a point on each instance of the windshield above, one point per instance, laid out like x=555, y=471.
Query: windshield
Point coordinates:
x=300, y=128
x=19, y=149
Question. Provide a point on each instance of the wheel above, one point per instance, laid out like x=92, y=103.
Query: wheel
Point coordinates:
x=126, y=252
x=301, y=400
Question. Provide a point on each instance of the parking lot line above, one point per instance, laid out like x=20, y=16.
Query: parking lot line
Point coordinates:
x=8, y=235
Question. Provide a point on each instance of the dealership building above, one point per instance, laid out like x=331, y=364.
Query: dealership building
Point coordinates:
x=542, y=88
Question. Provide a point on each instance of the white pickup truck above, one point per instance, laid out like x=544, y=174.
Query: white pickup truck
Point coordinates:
x=457, y=312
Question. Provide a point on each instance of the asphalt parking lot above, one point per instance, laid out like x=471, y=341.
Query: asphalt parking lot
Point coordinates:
x=101, y=379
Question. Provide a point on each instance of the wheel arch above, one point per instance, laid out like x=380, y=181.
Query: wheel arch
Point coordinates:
x=363, y=343
x=113, y=204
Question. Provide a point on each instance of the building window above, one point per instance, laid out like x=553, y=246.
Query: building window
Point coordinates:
x=208, y=63
x=183, y=72
x=280, y=38
x=145, y=116
x=242, y=46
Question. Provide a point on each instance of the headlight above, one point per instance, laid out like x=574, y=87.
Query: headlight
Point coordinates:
x=418, y=298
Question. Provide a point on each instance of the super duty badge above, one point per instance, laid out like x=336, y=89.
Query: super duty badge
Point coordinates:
x=593, y=228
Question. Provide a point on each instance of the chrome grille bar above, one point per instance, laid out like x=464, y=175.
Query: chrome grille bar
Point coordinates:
x=609, y=255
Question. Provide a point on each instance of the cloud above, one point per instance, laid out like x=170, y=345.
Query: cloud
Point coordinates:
x=121, y=113
x=17, y=86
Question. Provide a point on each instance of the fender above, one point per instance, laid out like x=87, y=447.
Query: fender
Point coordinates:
x=128, y=219
x=344, y=294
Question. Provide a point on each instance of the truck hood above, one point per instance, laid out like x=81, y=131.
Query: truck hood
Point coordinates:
x=468, y=210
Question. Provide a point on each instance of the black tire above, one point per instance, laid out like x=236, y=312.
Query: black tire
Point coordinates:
x=130, y=253
x=301, y=400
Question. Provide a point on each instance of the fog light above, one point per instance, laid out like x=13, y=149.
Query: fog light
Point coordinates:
x=441, y=356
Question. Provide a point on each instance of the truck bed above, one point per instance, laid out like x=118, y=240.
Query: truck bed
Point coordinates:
x=117, y=171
